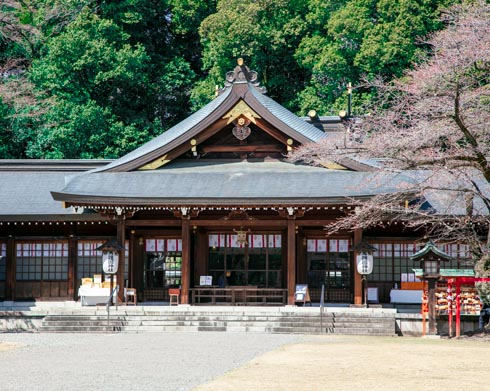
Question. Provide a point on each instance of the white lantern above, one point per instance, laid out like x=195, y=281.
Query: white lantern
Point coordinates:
x=110, y=262
x=364, y=263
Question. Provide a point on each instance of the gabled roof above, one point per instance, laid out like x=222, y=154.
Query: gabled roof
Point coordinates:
x=241, y=86
x=135, y=180
x=430, y=247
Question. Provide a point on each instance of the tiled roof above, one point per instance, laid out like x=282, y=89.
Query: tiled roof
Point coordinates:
x=449, y=272
x=171, y=134
x=288, y=118
x=245, y=182
x=291, y=123
x=28, y=193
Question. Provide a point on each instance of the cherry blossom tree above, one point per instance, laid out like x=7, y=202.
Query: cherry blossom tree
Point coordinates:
x=431, y=127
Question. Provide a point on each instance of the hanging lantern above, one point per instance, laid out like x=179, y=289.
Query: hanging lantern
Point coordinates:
x=364, y=258
x=364, y=263
x=110, y=262
x=110, y=256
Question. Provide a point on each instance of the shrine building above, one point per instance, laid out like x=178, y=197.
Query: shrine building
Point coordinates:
x=211, y=206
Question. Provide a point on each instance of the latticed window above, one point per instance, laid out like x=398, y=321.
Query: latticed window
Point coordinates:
x=3, y=260
x=89, y=259
x=460, y=256
x=392, y=260
x=45, y=261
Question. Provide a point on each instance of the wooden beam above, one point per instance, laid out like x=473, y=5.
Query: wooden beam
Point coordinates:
x=314, y=223
x=278, y=135
x=154, y=223
x=173, y=150
x=243, y=148
x=208, y=223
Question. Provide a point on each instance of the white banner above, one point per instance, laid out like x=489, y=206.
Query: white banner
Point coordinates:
x=256, y=241
x=151, y=245
x=275, y=241
x=343, y=246
x=316, y=245
x=174, y=245
x=160, y=245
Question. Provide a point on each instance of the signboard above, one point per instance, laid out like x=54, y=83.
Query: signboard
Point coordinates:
x=372, y=295
x=302, y=294
x=206, y=280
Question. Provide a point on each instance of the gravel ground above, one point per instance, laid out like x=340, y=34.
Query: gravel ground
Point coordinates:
x=150, y=361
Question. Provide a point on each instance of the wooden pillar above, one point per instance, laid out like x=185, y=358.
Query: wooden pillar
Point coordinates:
x=302, y=266
x=357, y=276
x=121, y=238
x=432, y=306
x=132, y=245
x=72, y=267
x=291, y=257
x=10, y=270
x=186, y=261
x=138, y=263
x=201, y=255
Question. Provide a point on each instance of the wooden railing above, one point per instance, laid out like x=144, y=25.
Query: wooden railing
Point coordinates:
x=238, y=295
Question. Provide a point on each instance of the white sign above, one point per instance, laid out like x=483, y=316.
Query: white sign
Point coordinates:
x=372, y=295
x=206, y=280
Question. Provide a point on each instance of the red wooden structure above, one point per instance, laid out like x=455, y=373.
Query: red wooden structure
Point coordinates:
x=458, y=281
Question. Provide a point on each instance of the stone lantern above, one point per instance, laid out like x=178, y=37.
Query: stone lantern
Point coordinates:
x=430, y=258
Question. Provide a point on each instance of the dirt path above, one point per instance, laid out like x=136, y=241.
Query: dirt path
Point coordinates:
x=365, y=363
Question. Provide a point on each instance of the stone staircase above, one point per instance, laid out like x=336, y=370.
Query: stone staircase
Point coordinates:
x=189, y=320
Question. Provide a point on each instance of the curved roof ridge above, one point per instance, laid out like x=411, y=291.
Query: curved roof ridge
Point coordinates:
x=287, y=117
x=169, y=135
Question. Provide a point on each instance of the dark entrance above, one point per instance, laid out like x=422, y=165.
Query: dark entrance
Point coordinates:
x=257, y=263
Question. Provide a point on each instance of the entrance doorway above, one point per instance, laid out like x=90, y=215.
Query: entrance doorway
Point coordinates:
x=329, y=264
x=162, y=267
x=257, y=263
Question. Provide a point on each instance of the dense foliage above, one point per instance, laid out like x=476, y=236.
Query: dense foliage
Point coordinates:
x=430, y=132
x=96, y=78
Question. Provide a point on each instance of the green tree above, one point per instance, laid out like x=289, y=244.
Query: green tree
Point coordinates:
x=358, y=38
x=140, y=63
x=429, y=134
x=122, y=69
x=265, y=33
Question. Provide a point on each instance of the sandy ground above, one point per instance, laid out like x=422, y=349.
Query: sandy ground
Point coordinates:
x=309, y=363
x=8, y=346
x=365, y=363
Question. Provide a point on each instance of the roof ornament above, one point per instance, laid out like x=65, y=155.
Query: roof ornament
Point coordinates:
x=241, y=131
x=242, y=74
